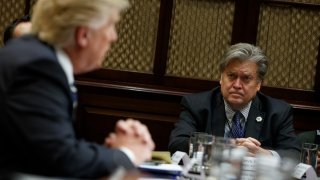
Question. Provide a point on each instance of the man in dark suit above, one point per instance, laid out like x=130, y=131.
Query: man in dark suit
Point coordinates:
x=17, y=28
x=37, y=94
x=238, y=110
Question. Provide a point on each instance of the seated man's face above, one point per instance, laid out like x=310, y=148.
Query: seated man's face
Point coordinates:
x=21, y=29
x=240, y=83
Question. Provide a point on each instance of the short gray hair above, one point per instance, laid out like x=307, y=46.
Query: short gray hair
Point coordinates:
x=246, y=52
x=54, y=21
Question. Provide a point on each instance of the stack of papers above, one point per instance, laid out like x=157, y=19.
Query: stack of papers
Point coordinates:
x=156, y=168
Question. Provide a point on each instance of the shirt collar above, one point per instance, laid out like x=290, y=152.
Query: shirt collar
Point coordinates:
x=230, y=112
x=66, y=64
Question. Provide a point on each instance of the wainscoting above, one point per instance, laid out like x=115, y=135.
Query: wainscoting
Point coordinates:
x=102, y=104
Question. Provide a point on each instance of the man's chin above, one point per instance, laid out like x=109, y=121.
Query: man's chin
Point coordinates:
x=235, y=103
x=87, y=69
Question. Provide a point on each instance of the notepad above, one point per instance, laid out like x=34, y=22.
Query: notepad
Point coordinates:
x=161, y=156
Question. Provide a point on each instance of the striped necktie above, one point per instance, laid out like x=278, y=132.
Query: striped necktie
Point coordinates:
x=237, y=130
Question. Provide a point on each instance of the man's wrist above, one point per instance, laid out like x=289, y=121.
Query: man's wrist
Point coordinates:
x=274, y=153
x=128, y=153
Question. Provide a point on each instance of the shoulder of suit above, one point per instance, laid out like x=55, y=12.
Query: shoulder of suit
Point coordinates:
x=203, y=98
x=267, y=100
x=203, y=93
x=25, y=50
x=31, y=46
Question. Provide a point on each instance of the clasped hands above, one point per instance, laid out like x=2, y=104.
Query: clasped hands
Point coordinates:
x=252, y=145
x=133, y=135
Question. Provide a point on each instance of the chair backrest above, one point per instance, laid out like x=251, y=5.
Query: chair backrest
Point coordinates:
x=307, y=137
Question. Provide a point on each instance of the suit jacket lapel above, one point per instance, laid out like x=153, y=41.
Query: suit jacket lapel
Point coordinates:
x=219, y=116
x=255, y=119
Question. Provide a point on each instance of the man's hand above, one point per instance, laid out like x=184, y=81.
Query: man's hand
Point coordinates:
x=252, y=145
x=133, y=135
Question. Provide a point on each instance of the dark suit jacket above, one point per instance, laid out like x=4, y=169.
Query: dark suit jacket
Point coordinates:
x=205, y=112
x=36, y=127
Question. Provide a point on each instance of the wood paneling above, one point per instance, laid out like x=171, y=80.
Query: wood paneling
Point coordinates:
x=102, y=104
x=98, y=123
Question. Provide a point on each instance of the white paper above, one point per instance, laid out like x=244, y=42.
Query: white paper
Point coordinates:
x=302, y=169
x=249, y=163
x=248, y=168
x=178, y=155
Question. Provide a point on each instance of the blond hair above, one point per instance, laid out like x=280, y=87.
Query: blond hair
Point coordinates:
x=54, y=21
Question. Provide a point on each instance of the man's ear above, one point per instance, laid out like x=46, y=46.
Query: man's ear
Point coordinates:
x=82, y=36
x=259, y=85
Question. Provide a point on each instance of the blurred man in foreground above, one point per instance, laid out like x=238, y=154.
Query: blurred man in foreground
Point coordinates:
x=38, y=96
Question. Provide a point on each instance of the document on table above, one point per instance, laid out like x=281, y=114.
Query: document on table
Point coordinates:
x=172, y=169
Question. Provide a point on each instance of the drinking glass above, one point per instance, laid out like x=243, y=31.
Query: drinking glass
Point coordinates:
x=226, y=159
x=309, y=154
x=200, y=149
